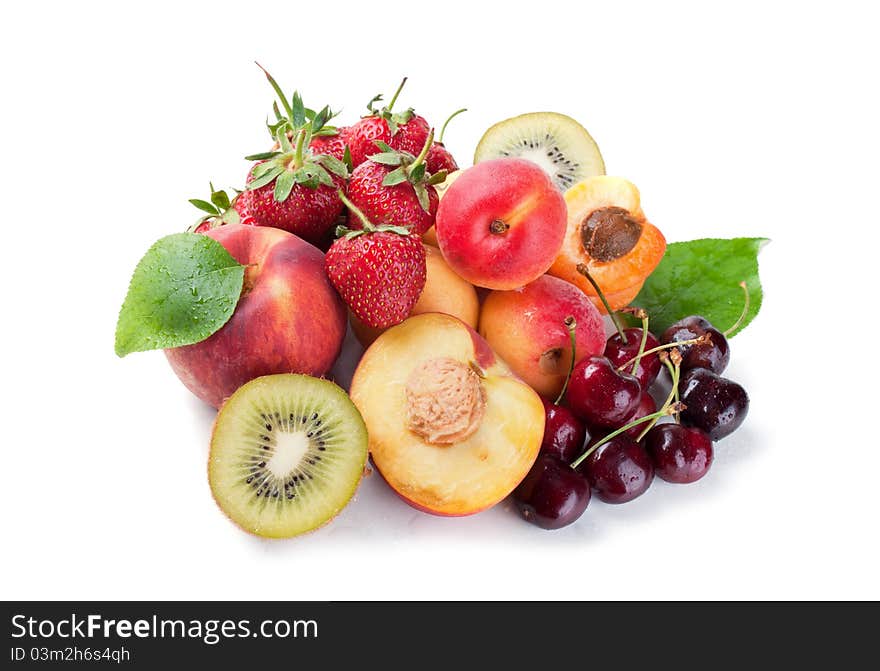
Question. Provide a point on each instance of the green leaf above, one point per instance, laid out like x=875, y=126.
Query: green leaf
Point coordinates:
x=321, y=118
x=346, y=158
x=702, y=277
x=298, y=110
x=220, y=199
x=387, y=158
x=384, y=146
x=263, y=156
x=231, y=216
x=184, y=289
x=312, y=176
x=333, y=164
x=422, y=195
x=265, y=178
x=283, y=184
x=376, y=98
x=417, y=174
x=438, y=177
x=204, y=206
x=394, y=177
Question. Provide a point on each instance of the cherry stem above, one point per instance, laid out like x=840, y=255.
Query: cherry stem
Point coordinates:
x=701, y=340
x=641, y=353
x=446, y=123
x=743, y=314
x=668, y=410
x=423, y=154
x=368, y=225
x=583, y=270
x=396, y=93
x=674, y=372
x=571, y=324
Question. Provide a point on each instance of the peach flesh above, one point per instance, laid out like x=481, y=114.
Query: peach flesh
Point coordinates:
x=499, y=418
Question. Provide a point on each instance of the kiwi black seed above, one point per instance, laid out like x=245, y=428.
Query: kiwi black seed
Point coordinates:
x=287, y=454
x=556, y=142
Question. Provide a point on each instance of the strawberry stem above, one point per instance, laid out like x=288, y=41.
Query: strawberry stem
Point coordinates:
x=396, y=93
x=368, y=225
x=446, y=123
x=423, y=154
x=298, y=150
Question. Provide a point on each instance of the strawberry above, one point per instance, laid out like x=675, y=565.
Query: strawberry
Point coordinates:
x=334, y=145
x=220, y=211
x=293, y=187
x=379, y=271
x=439, y=157
x=393, y=188
x=404, y=131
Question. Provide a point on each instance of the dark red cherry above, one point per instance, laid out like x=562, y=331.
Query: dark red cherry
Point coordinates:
x=619, y=470
x=680, y=454
x=600, y=395
x=715, y=404
x=714, y=355
x=564, y=434
x=619, y=353
x=647, y=406
x=553, y=494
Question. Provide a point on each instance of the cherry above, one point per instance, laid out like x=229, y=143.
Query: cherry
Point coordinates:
x=680, y=454
x=647, y=406
x=564, y=434
x=553, y=494
x=713, y=355
x=600, y=395
x=713, y=403
x=618, y=470
x=620, y=352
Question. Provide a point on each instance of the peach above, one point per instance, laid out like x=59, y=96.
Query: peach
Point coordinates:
x=526, y=328
x=452, y=430
x=444, y=292
x=289, y=319
x=609, y=234
x=501, y=223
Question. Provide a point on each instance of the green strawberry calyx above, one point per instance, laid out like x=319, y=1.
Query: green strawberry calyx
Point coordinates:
x=368, y=226
x=409, y=168
x=218, y=210
x=294, y=163
x=393, y=119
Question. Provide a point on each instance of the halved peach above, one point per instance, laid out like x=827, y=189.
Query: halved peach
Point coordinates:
x=452, y=430
x=444, y=292
x=609, y=234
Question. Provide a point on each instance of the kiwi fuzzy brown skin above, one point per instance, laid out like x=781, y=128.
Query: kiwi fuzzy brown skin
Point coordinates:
x=350, y=426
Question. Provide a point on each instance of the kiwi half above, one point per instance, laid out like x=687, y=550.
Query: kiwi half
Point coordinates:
x=556, y=142
x=287, y=454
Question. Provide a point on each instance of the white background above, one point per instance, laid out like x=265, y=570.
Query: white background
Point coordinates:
x=749, y=120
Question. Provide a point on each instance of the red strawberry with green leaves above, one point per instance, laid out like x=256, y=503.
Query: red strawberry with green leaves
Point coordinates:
x=439, y=157
x=379, y=271
x=219, y=212
x=404, y=131
x=294, y=188
x=394, y=188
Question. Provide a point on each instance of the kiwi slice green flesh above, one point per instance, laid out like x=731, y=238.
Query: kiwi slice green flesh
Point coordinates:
x=556, y=142
x=287, y=454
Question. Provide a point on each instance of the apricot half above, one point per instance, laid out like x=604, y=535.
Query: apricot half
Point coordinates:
x=451, y=429
x=444, y=292
x=609, y=234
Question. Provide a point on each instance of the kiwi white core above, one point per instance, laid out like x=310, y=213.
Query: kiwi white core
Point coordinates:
x=290, y=448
